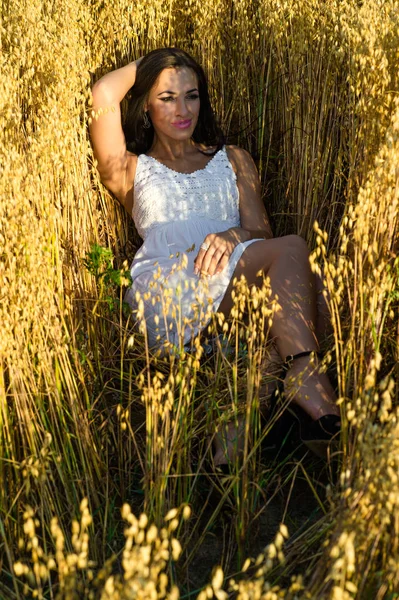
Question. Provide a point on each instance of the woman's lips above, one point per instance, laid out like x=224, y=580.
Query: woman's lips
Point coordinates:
x=182, y=124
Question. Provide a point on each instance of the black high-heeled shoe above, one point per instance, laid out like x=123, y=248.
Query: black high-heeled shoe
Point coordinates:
x=318, y=435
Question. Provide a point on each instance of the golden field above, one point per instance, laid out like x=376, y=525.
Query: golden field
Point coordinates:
x=104, y=479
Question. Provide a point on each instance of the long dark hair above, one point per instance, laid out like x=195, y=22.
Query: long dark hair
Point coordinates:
x=138, y=138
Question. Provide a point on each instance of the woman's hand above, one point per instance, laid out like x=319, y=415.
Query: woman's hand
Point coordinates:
x=216, y=250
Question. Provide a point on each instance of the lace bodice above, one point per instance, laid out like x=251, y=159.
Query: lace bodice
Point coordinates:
x=162, y=195
x=174, y=213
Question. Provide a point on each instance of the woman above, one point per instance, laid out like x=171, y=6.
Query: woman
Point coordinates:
x=187, y=191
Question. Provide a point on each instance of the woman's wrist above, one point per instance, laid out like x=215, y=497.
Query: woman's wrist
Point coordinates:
x=245, y=235
x=237, y=234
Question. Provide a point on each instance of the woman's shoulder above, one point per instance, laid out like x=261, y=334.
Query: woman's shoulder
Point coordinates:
x=236, y=152
x=239, y=158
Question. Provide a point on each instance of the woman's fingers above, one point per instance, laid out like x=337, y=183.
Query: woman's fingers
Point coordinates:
x=206, y=244
x=214, y=254
x=212, y=259
x=222, y=263
x=198, y=261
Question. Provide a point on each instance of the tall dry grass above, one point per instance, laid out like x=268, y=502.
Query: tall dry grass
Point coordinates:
x=310, y=88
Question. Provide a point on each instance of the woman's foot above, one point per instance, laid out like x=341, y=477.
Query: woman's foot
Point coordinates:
x=308, y=388
x=313, y=403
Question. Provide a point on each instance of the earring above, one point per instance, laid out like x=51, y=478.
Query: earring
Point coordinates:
x=147, y=122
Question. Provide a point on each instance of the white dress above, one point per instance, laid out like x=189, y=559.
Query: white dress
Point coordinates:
x=173, y=213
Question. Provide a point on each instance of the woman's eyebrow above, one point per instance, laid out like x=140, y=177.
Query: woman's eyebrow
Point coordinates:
x=174, y=93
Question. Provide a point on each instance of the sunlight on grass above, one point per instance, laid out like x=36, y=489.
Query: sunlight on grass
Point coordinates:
x=94, y=427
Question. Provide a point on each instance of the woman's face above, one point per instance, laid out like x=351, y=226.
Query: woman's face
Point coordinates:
x=174, y=104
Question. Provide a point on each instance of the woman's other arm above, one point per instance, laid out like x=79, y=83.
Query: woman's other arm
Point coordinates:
x=253, y=215
x=109, y=144
x=254, y=220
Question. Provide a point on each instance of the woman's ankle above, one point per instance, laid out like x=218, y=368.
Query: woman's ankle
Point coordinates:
x=309, y=388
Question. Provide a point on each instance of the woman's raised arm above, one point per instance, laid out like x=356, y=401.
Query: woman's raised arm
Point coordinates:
x=106, y=132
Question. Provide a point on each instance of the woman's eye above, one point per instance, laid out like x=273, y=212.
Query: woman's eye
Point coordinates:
x=171, y=98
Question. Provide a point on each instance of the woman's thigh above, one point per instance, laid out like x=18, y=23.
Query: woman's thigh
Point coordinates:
x=260, y=256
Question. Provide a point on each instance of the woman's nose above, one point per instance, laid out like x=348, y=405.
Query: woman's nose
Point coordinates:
x=181, y=107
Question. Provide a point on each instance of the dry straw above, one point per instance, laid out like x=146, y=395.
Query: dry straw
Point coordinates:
x=86, y=411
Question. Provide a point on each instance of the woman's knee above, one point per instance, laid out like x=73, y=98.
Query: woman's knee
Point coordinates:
x=296, y=244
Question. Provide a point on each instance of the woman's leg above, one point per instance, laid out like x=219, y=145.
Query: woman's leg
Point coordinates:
x=286, y=262
x=273, y=363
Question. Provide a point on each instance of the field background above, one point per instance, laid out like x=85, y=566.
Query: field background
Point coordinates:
x=88, y=420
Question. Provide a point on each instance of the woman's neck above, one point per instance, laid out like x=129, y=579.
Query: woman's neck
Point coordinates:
x=170, y=150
